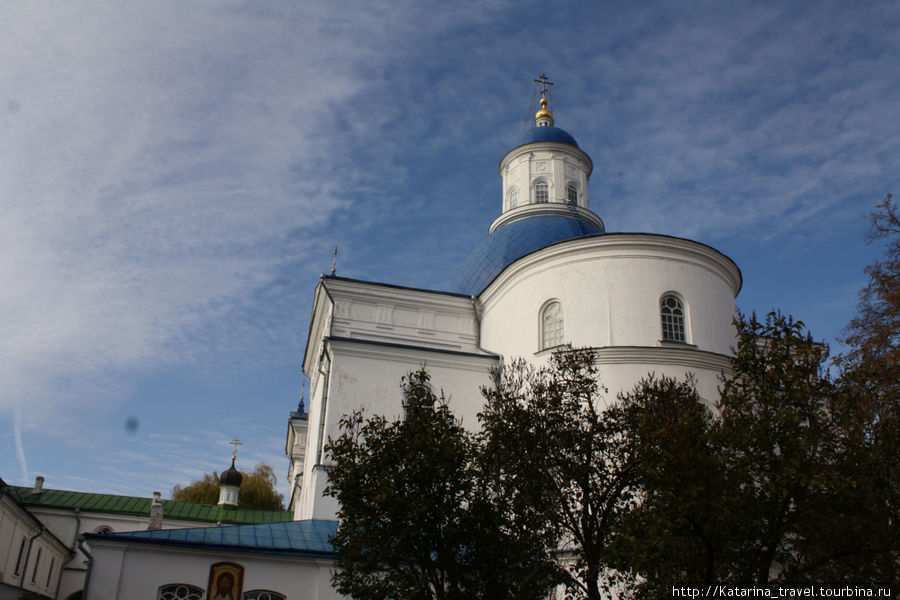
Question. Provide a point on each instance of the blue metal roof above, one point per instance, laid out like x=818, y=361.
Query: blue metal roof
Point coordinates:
x=547, y=134
x=513, y=241
x=293, y=537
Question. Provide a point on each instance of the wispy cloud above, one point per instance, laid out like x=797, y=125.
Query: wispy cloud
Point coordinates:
x=173, y=177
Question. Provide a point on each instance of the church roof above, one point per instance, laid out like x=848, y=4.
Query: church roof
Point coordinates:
x=511, y=242
x=294, y=537
x=547, y=133
x=140, y=507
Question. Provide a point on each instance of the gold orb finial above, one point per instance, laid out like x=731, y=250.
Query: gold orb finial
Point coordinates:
x=544, y=113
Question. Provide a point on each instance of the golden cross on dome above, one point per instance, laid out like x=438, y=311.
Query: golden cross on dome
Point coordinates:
x=235, y=443
x=544, y=81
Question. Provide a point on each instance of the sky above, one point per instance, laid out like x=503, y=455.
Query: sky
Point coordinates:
x=174, y=177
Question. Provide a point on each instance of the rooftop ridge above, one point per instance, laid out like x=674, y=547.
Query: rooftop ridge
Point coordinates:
x=140, y=506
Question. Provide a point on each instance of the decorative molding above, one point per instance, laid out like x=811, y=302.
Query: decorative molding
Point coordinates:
x=415, y=355
x=426, y=321
x=545, y=208
x=664, y=355
x=342, y=309
x=559, y=147
x=385, y=318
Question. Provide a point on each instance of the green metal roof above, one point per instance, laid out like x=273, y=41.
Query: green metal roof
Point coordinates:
x=132, y=505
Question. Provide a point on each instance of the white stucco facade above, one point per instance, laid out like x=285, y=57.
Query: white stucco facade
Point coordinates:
x=138, y=571
x=31, y=556
x=609, y=289
x=363, y=339
x=67, y=525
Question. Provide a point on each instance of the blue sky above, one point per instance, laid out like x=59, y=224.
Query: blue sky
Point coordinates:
x=174, y=177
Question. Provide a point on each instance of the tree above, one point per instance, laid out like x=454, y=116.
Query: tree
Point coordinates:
x=775, y=489
x=778, y=452
x=257, y=490
x=565, y=461
x=868, y=411
x=420, y=517
x=874, y=334
x=674, y=536
x=202, y=491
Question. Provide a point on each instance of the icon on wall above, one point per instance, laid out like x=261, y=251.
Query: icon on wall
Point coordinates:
x=226, y=580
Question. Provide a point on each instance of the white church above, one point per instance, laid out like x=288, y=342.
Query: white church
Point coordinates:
x=546, y=275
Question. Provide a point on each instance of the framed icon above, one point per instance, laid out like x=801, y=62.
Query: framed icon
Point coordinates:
x=226, y=581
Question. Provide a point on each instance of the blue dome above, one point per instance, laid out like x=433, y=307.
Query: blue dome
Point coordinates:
x=513, y=241
x=547, y=134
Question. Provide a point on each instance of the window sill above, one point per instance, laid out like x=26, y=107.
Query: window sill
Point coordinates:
x=552, y=349
x=674, y=344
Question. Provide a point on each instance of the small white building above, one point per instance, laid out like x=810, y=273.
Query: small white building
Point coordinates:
x=31, y=555
x=65, y=516
x=270, y=561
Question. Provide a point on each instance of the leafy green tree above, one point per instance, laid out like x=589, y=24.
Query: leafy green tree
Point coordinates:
x=873, y=336
x=779, y=451
x=202, y=491
x=674, y=536
x=257, y=490
x=566, y=462
x=420, y=516
x=776, y=488
x=868, y=410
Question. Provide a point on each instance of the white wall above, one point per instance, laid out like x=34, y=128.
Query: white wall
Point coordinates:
x=610, y=287
x=42, y=562
x=367, y=377
x=136, y=571
x=65, y=525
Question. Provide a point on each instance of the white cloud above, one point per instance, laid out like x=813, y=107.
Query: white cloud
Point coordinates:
x=173, y=176
x=163, y=168
x=157, y=159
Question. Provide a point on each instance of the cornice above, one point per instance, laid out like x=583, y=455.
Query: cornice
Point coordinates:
x=663, y=355
x=401, y=352
x=545, y=208
x=367, y=291
x=551, y=146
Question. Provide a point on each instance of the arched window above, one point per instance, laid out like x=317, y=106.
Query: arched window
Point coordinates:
x=551, y=325
x=672, y=312
x=180, y=591
x=512, y=197
x=572, y=194
x=263, y=595
x=541, y=192
x=103, y=529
